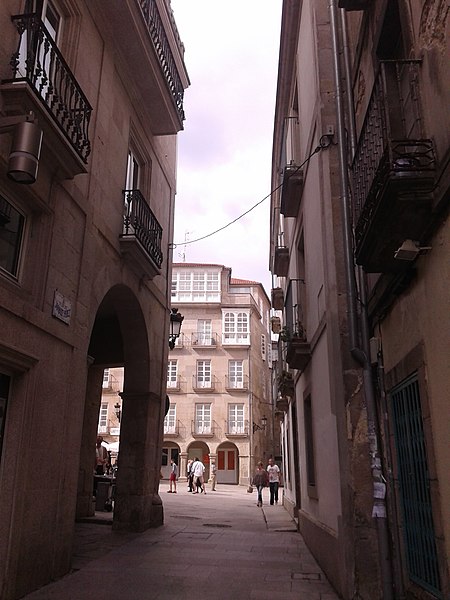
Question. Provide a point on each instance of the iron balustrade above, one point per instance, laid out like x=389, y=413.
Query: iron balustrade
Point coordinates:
x=392, y=140
x=237, y=382
x=38, y=62
x=237, y=428
x=201, y=383
x=161, y=45
x=139, y=221
x=201, y=338
x=294, y=318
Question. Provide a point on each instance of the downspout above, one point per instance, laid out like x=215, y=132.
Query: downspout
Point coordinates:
x=361, y=355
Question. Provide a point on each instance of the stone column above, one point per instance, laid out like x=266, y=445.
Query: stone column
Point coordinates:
x=138, y=505
x=182, y=466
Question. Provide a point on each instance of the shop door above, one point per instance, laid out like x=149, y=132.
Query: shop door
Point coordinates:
x=227, y=466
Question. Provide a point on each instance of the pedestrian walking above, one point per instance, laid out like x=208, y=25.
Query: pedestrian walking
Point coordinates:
x=190, y=475
x=273, y=471
x=173, y=477
x=198, y=468
x=213, y=476
x=260, y=481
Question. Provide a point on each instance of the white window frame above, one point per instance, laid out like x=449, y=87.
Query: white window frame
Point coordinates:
x=204, y=332
x=172, y=374
x=103, y=418
x=203, y=418
x=236, y=418
x=196, y=286
x=203, y=373
x=236, y=374
x=106, y=376
x=134, y=171
x=170, y=420
x=236, y=327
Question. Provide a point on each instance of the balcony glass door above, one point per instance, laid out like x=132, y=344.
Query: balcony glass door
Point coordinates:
x=203, y=418
x=204, y=332
x=204, y=377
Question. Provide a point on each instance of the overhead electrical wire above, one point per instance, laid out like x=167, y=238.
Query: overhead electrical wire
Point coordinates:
x=324, y=142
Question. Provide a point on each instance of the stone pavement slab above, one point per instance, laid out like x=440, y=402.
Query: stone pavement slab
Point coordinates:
x=214, y=546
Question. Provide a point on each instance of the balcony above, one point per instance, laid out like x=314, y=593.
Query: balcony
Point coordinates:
x=43, y=83
x=286, y=386
x=282, y=404
x=140, y=241
x=393, y=169
x=204, y=340
x=151, y=57
x=281, y=261
x=291, y=192
x=175, y=386
x=236, y=384
x=277, y=298
x=203, y=385
x=204, y=429
x=172, y=430
x=275, y=324
x=235, y=429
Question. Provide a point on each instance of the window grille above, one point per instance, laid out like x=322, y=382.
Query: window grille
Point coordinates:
x=414, y=486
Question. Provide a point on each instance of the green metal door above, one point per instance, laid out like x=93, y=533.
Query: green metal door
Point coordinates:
x=414, y=487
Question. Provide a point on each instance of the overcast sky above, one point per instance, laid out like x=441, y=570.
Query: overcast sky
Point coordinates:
x=225, y=150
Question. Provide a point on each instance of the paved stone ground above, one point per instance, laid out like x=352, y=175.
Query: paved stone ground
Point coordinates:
x=218, y=546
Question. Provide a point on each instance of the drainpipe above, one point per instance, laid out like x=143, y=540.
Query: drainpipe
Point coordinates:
x=362, y=356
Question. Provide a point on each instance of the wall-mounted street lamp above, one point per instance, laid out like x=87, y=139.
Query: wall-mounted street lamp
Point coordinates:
x=25, y=149
x=118, y=411
x=261, y=427
x=176, y=319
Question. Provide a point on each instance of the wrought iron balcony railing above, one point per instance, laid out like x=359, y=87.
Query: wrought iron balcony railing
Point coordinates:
x=234, y=428
x=204, y=428
x=140, y=223
x=202, y=339
x=202, y=384
x=393, y=167
x=161, y=45
x=238, y=384
x=38, y=62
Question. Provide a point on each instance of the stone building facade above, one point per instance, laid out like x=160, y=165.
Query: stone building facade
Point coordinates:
x=85, y=265
x=360, y=254
x=219, y=374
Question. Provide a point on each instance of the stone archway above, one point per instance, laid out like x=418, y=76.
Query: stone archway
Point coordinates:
x=120, y=337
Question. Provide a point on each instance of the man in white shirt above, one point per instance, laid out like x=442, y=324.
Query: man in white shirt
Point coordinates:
x=198, y=468
x=274, y=480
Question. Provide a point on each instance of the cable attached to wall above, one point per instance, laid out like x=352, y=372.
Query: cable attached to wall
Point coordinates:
x=324, y=142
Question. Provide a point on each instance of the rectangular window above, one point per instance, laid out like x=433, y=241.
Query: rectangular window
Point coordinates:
x=105, y=384
x=133, y=172
x=204, y=376
x=236, y=374
x=196, y=286
x=236, y=328
x=203, y=418
x=204, y=332
x=170, y=420
x=172, y=374
x=12, y=224
x=236, y=423
x=309, y=443
x=103, y=418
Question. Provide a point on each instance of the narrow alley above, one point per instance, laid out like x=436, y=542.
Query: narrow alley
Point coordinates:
x=217, y=546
